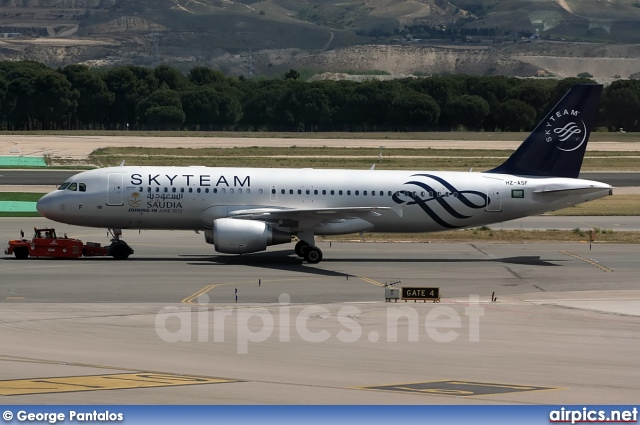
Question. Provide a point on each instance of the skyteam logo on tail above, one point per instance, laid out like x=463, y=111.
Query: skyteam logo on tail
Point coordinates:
x=567, y=134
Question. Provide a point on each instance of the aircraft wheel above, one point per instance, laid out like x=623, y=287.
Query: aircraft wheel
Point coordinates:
x=120, y=251
x=313, y=255
x=300, y=248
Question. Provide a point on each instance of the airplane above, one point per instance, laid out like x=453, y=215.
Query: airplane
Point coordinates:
x=244, y=210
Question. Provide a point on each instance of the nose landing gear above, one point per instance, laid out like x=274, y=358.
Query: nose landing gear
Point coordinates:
x=119, y=249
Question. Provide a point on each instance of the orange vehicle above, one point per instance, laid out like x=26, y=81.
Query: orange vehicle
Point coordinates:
x=45, y=243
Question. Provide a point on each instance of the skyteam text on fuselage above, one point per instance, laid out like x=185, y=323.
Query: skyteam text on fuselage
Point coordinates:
x=242, y=210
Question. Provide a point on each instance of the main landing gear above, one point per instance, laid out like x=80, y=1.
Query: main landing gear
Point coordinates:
x=119, y=249
x=311, y=254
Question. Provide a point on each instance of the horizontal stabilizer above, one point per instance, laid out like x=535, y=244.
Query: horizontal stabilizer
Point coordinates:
x=562, y=191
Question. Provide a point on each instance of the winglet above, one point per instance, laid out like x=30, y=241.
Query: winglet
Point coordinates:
x=557, y=145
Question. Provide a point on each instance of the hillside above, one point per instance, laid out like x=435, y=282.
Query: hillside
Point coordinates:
x=245, y=37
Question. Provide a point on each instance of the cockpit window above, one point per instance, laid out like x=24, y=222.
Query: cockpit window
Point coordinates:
x=64, y=185
x=73, y=186
x=82, y=187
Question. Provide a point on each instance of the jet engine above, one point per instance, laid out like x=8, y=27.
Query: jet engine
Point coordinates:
x=236, y=236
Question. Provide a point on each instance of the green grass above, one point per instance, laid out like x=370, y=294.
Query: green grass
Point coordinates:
x=20, y=196
x=19, y=214
x=337, y=157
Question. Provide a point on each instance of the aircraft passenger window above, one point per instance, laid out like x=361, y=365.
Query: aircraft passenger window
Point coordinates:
x=282, y=191
x=215, y=190
x=422, y=194
x=357, y=192
x=166, y=189
x=198, y=190
x=173, y=189
x=455, y=194
x=230, y=190
x=290, y=191
x=308, y=191
x=224, y=190
x=315, y=192
x=324, y=192
x=389, y=193
x=348, y=192
x=333, y=192
x=190, y=190
x=64, y=185
x=82, y=187
x=260, y=191
x=206, y=190
x=239, y=191
x=364, y=192
x=141, y=189
x=248, y=191
x=299, y=192
x=182, y=190
x=273, y=191
x=430, y=194
x=373, y=193
x=148, y=189
x=339, y=192
x=73, y=186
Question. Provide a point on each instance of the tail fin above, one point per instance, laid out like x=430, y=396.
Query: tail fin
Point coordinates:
x=556, y=146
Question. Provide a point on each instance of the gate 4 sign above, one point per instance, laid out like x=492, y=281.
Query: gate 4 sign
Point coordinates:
x=431, y=294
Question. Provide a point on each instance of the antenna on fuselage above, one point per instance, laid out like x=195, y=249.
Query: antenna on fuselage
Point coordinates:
x=122, y=163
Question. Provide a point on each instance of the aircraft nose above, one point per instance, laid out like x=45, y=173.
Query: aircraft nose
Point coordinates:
x=46, y=206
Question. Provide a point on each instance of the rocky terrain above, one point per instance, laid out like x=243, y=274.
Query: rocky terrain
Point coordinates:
x=245, y=37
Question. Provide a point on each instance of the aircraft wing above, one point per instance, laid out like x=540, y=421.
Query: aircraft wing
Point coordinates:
x=319, y=214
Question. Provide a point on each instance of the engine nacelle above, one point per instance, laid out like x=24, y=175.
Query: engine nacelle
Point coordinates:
x=235, y=236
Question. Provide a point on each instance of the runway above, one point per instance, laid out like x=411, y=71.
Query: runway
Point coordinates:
x=564, y=328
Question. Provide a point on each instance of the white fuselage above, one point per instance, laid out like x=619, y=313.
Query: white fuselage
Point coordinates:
x=410, y=201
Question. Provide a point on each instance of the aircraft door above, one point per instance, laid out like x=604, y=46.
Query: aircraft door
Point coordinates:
x=114, y=189
x=494, y=189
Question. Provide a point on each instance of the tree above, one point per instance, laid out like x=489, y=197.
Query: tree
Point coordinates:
x=157, y=99
x=516, y=115
x=130, y=84
x=56, y=99
x=201, y=76
x=411, y=110
x=292, y=74
x=164, y=117
x=469, y=111
x=171, y=77
x=94, y=96
x=621, y=103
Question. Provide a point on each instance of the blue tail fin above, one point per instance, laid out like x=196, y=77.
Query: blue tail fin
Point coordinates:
x=556, y=146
